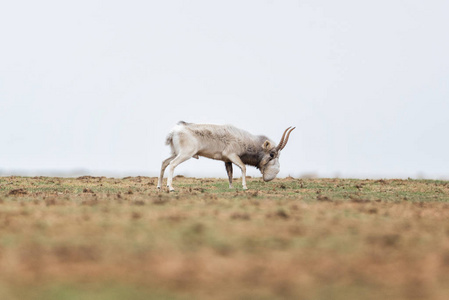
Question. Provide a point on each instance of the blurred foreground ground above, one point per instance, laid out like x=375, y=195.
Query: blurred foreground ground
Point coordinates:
x=106, y=238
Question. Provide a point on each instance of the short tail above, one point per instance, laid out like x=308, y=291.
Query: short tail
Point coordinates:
x=169, y=139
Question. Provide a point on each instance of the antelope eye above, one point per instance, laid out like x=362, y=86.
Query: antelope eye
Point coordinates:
x=271, y=155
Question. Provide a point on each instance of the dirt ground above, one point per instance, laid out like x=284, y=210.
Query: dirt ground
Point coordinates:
x=108, y=238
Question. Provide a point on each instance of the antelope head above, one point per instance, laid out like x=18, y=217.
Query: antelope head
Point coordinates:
x=269, y=165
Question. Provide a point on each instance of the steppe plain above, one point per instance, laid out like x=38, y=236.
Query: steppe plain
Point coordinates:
x=108, y=238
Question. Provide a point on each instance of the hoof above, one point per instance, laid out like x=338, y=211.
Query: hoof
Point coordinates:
x=158, y=187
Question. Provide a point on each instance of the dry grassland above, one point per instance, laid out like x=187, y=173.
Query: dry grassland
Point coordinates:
x=105, y=238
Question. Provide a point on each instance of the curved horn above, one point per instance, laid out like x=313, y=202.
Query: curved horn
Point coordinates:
x=286, y=139
x=282, y=139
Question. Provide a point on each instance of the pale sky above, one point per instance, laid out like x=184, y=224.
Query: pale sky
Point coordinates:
x=94, y=86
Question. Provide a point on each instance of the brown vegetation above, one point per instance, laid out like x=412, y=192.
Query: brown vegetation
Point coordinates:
x=287, y=239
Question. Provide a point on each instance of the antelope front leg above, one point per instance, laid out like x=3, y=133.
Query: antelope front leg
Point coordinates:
x=234, y=158
x=228, y=166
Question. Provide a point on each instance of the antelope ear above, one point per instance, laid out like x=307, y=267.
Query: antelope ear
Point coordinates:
x=266, y=145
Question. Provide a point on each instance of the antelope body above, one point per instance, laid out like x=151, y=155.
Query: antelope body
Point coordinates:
x=223, y=142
